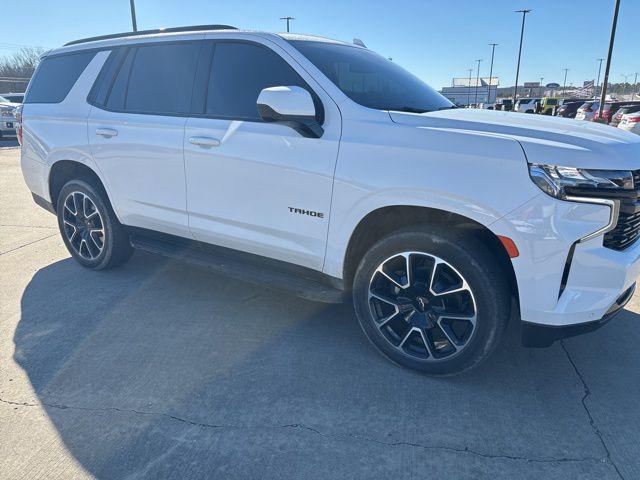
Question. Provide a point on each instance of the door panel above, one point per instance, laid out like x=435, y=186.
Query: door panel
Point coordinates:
x=256, y=186
x=143, y=165
x=242, y=192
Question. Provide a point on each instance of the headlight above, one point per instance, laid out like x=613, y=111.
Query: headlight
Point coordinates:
x=562, y=181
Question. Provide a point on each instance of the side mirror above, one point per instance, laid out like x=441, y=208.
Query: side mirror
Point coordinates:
x=291, y=106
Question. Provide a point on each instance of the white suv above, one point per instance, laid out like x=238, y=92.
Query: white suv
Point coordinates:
x=321, y=168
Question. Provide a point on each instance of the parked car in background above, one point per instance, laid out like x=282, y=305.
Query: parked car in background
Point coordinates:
x=527, y=105
x=7, y=117
x=630, y=122
x=624, y=110
x=505, y=104
x=547, y=104
x=587, y=110
x=609, y=109
x=569, y=109
x=13, y=97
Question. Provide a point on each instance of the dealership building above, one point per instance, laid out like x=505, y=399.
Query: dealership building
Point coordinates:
x=465, y=91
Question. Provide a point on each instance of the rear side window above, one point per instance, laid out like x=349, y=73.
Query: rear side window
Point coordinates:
x=56, y=76
x=239, y=71
x=156, y=79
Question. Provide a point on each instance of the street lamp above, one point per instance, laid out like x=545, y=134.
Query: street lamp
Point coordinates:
x=469, y=89
x=477, y=80
x=288, y=19
x=614, y=23
x=540, y=89
x=515, y=89
x=133, y=15
x=595, y=90
x=564, y=85
x=493, y=51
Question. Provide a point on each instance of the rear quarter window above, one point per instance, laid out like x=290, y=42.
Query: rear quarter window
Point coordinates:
x=55, y=77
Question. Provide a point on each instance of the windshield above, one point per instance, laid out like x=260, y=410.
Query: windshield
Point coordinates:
x=4, y=100
x=370, y=79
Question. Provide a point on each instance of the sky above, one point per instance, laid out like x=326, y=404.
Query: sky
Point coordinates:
x=434, y=39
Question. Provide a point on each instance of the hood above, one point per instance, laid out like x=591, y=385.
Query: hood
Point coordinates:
x=545, y=139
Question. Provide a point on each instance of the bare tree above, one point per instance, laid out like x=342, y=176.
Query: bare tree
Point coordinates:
x=21, y=64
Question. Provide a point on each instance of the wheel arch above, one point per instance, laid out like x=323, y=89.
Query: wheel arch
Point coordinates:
x=385, y=220
x=63, y=171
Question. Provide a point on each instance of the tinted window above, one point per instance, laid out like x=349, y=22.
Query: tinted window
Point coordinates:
x=55, y=76
x=239, y=72
x=370, y=79
x=119, y=88
x=156, y=79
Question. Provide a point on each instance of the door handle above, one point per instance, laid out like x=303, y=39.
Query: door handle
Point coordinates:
x=204, y=141
x=106, y=132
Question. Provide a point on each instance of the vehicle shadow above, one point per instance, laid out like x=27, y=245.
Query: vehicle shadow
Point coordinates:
x=161, y=370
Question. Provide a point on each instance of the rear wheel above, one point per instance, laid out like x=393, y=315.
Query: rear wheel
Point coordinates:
x=431, y=300
x=89, y=227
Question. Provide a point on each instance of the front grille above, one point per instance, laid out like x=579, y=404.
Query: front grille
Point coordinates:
x=627, y=230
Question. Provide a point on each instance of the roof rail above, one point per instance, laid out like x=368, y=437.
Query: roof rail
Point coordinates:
x=192, y=28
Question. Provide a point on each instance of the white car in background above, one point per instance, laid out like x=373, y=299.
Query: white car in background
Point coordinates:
x=7, y=117
x=587, y=111
x=527, y=105
x=630, y=122
x=262, y=156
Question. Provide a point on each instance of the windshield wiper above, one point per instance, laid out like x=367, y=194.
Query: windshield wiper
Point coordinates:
x=448, y=108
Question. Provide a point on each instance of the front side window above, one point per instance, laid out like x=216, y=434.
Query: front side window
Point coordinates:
x=156, y=79
x=239, y=72
x=370, y=79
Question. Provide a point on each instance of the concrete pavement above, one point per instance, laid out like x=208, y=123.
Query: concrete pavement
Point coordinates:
x=161, y=370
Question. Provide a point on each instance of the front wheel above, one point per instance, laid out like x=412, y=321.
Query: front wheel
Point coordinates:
x=89, y=227
x=431, y=300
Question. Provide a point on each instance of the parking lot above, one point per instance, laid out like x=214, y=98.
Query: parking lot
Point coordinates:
x=161, y=370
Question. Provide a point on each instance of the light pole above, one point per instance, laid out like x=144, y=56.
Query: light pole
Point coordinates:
x=614, y=23
x=564, y=85
x=540, y=89
x=515, y=89
x=288, y=19
x=635, y=82
x=624, y=87
x=477, y=80
x=133, y=15
x=469, y=89
x=493, y=51
x=595, y=90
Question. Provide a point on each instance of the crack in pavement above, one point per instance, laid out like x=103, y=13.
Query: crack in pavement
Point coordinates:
x=26, y=226
x=27, y=244
x=587, y=394
x=299, y=426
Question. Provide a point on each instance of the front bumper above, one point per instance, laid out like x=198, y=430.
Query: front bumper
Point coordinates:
x=534, y=335
x=563, y=283
x=7, y=127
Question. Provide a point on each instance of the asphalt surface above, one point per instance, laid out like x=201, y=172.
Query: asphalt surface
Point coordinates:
x=161, y=370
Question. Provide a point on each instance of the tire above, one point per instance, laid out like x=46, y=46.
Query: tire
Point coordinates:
x=435, y=345
x=93, y=235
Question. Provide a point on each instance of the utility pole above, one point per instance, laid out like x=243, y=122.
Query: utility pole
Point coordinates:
x=288, y=19
x=515, y=89
x=564, y=85
x=595, y=90
x=635, y=82
x=493, y=51
x=540, y=89
x=133, y=15
x=477, y=80
x=614, y=23
x=469, y=89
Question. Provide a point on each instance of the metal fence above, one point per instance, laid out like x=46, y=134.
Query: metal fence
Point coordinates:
x=13, y=84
